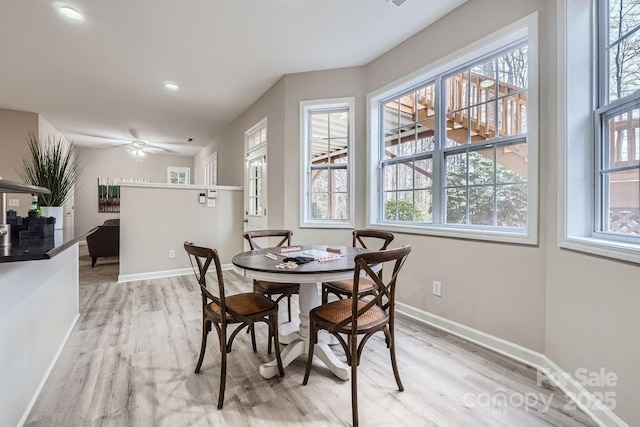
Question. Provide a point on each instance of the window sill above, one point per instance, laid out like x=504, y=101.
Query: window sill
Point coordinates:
x=460, y=233
x=610, y=249
x=339, y=225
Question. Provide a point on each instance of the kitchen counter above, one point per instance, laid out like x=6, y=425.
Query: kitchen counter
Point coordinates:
x=40, y=248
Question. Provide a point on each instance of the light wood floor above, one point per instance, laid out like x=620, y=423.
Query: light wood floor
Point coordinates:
x=130, y=361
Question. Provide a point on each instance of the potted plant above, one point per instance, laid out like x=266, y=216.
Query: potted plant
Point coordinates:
x=52, y=165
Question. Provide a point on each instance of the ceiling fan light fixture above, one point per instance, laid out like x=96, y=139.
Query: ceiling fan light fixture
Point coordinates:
x=70, y=13
x=171, y=86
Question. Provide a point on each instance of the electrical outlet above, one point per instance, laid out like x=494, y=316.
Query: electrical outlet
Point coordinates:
x=14, y=202
x=437, y=288
x=172, y=253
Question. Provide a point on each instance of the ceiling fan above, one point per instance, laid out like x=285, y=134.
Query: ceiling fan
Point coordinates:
x=139, y=148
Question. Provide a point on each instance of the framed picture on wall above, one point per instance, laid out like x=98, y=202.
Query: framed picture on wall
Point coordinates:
x=178, y=175
x=109, y=192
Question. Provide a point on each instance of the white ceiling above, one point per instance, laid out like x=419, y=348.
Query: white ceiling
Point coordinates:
x=99, y=81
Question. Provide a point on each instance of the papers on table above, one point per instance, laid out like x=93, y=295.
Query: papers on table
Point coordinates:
x=316, y=254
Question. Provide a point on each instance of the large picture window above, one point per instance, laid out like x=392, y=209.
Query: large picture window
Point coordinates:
x=327, y=135
x=618, y=121
x=454, y=150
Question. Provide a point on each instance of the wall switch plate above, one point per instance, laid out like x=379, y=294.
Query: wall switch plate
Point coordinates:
x=172, y=254
x=437, y=288
x=14, y=202
x=212, y=194
x=211, y=203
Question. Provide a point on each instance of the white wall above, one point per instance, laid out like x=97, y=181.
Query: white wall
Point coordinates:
x=154, y=220
x=39, y=305
x=14, y=128
x=115, y=163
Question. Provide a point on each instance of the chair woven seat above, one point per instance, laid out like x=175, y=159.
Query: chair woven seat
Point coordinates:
x=346, y=286
x=246, y=304
x=366, y=286
x=275, y=287
x=337, y=311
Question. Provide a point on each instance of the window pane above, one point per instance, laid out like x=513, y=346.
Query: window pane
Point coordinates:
x=512, y=205
x=423, y=172
x=390, y=115
x=456, y=169
x=407, y=141
x=319, y=205
x=391, y=145
x=622, y=193
x=339, y=180
x=481, y=206
x=483, y=125
x=407, y=110
x=339, y=206
x=512, y=118
x=339, y=124
x=390, y=206
x=513, y=70
x=425, y=102
x=389, y=177
x=319, y=180
x=457, y=128
x=405, y=175
x=628, y=9
x=483, y=79
x=405, y=206
x=423, y=206
x=456, y=90
x=482, y=167
x=425, y=141
x=456, y=206
x=622, y=134
x=338, y=149
x=512, y=163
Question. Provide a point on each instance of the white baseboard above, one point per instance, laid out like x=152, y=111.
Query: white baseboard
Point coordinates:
x=29, y=407
x=124, y=278
x=569, y=386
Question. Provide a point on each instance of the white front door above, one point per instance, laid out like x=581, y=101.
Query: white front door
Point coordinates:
x=255, y=189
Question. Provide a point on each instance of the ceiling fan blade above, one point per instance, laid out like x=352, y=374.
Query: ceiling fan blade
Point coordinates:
x=150, y=149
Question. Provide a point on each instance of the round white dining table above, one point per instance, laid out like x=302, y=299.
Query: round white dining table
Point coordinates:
x=256, y=265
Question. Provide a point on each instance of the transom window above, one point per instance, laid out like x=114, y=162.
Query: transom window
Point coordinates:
x=327, y=128
x=618, y=121
x=454, y=146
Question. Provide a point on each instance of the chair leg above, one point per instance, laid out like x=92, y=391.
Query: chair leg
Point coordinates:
x=325, y=295
x=253, y=338
x=354, y=379
x=223, y=367
x=394, y=363
x=203, y=345
x=289, y=307
x=276, y=342
x=312, y=338
x=270, y=336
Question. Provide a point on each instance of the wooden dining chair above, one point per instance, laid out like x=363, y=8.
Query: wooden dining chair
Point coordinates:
x=244, y=309
x=344, y=288
x=271, y=289
x=353, y=317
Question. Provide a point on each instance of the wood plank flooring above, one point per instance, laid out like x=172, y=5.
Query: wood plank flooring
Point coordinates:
x=130, y=361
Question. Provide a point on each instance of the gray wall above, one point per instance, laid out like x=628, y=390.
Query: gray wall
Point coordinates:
x=116, y=163
x=578, y=309
x=14, y=127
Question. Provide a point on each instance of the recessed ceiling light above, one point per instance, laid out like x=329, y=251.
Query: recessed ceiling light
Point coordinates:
x=170, y=86
x=70, y=13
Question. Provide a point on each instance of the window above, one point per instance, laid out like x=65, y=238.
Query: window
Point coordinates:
x=327, y=182
x=456, y=145
x=178, y=175
x=618, y=121
x=211, y=170
x=599, y=167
